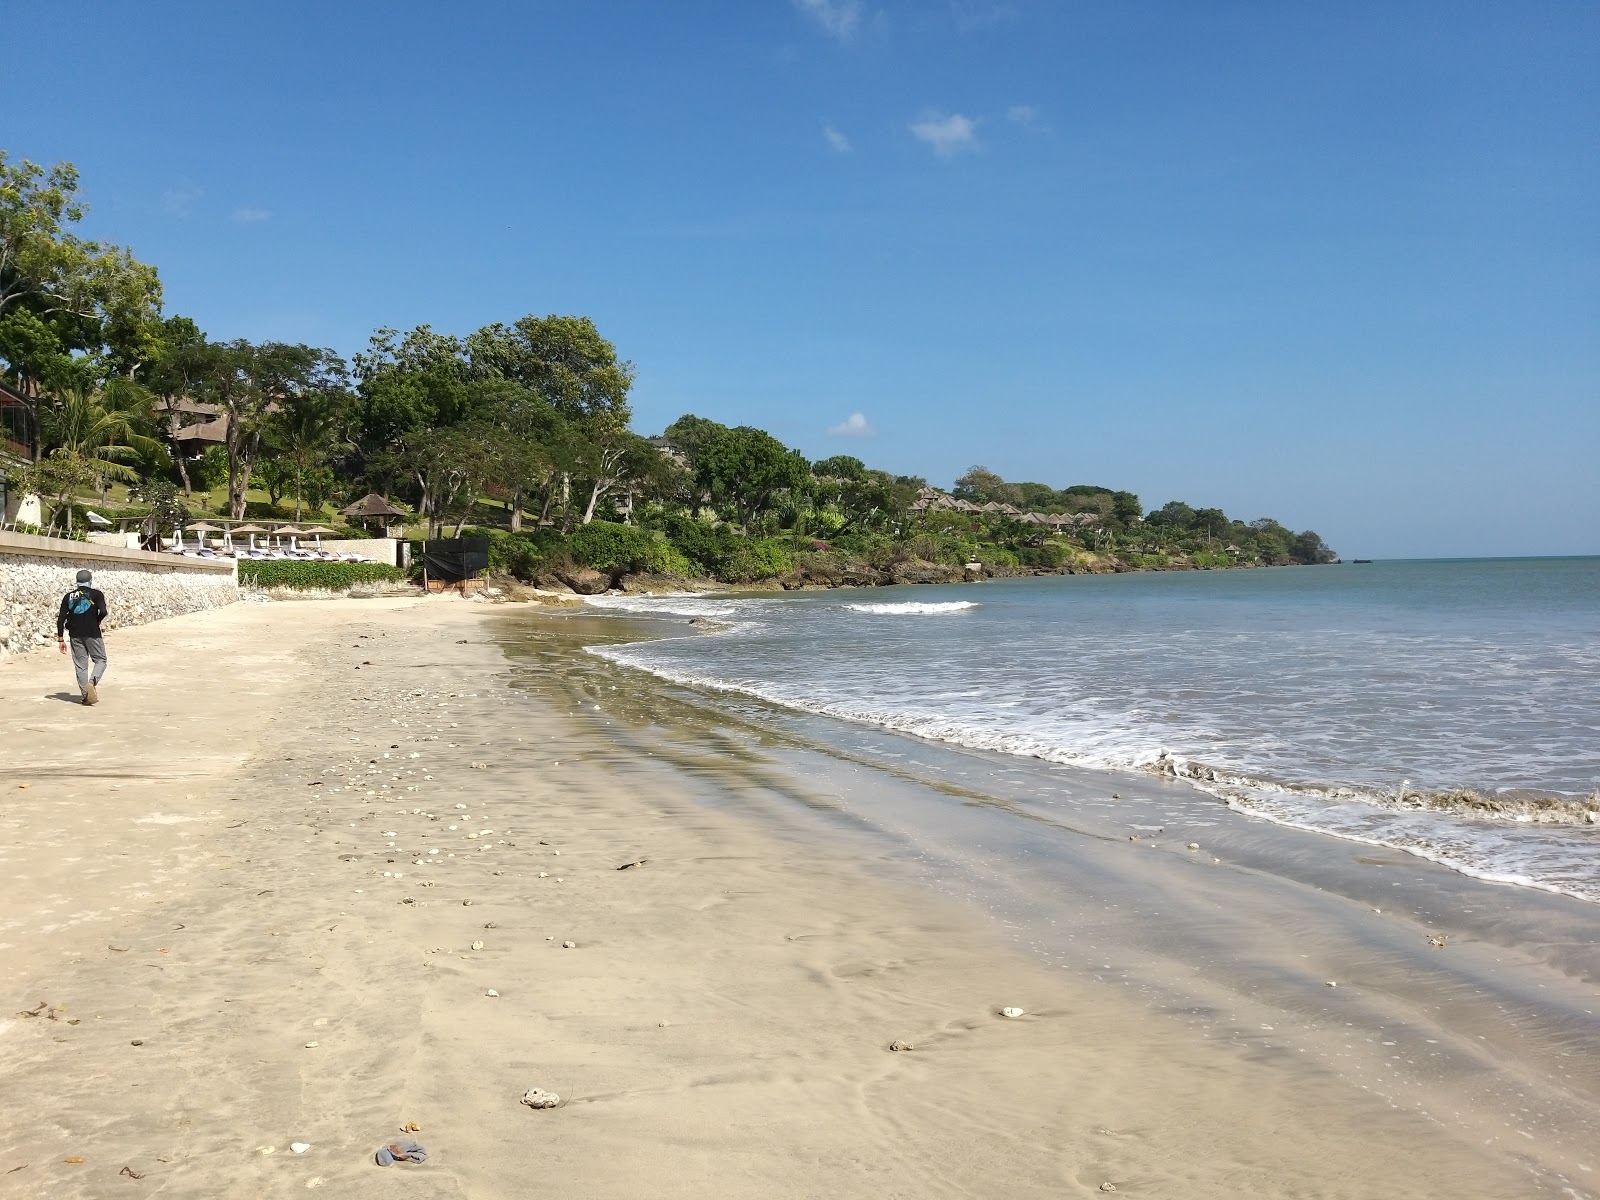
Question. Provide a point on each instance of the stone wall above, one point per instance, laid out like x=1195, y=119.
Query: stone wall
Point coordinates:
x=35, y=572
x=390, y=551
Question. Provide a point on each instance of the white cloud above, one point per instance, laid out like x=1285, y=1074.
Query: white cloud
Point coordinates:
x=839, y=18
x=179, y=202
x=247, y=215
x=837, y=140
x=947, y=135
x=1022, y=114
x=853, y=426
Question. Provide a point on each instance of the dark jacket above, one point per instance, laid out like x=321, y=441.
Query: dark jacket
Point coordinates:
x=82, y=610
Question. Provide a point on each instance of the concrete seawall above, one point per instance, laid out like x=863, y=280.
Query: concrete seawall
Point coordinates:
x=35, y=572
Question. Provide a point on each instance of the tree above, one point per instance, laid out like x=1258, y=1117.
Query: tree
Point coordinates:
x=740, y=469
x=180, y=356
x=982, y=485
x=840, y=466
x=1212, y=522
x=56, y=477
x=1035, y=497
x=167, y=511
x=250, y=383
x=302, y=432
x=100, y=430
x=563, y=359
x=41, y=260
x=1272, y=540
x=1308, y=547
x=62, y=296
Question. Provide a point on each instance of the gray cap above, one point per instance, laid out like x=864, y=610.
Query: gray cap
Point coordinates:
x=85, y=575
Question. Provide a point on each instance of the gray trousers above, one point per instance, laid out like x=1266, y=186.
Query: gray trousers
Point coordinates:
x=85, y=650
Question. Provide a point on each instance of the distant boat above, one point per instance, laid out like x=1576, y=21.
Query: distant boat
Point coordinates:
x=1361, y=560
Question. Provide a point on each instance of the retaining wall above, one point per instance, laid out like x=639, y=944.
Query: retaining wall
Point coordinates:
x=389, y=551
x=35, y=572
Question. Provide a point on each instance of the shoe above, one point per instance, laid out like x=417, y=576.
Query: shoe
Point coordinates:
x=91, y=696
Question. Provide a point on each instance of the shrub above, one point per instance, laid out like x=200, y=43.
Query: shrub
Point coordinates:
x=756, y=558
x=333, y=576
x=605, y=546
x=509, y=553
x=1146, y=562
x=704, y=546
x=1050, y=555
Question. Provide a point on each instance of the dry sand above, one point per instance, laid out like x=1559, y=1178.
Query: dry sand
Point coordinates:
x=214, y=890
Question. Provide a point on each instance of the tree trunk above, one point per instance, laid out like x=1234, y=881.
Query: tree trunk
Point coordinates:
x=241, y=460
x=544, y=511
x=516, y=509
x=183, y=474
x=594, y=498
x=566, y=502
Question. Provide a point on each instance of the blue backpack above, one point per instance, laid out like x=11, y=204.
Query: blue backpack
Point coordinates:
x=78, y=603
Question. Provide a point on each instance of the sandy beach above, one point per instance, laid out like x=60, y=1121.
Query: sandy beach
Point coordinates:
x=246, y=897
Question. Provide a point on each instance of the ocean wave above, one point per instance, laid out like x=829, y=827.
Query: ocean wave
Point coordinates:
x=914, y=607
x=1519, y=807
x=687, y=604
x=1495, y=837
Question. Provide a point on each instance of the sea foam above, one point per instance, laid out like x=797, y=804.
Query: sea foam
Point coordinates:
x=914, y=608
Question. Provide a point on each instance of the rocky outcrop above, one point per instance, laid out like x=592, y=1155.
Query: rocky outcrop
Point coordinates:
x=586, y=581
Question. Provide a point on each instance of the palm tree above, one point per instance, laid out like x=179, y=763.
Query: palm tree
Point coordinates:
x=301, y=433
x=101, y=429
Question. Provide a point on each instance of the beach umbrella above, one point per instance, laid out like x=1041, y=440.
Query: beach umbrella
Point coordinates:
x=200, y=529
x=252, y=530
x=317, y=531
x=289, y=531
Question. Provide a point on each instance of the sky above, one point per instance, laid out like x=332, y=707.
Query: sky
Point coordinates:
x=1335, y=264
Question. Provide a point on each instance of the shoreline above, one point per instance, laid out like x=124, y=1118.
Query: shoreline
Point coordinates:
x=862, y=576
x=201, y=869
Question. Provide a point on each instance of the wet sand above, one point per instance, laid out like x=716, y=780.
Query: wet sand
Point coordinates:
x=236, y=855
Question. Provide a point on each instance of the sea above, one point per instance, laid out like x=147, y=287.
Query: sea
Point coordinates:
x=1449, y=709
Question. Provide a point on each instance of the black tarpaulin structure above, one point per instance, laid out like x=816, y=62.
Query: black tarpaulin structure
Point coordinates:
x=453, y=559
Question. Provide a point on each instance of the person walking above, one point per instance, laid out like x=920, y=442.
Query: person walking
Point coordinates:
x=82, y=610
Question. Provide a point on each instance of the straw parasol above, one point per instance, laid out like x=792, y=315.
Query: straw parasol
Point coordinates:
x=289, y=531
x=317, y=531
x=252, y=530
x=200, y=529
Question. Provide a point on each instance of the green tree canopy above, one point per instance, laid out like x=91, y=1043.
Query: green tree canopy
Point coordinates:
x=741, y=469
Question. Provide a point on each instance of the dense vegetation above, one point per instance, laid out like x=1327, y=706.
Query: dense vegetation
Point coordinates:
x=333, y=576
x=518, y=431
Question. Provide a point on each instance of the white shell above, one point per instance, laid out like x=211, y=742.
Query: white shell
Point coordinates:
x=535, y=1098
x=477, y=945
x=299, y=1147
x=1012, y=1012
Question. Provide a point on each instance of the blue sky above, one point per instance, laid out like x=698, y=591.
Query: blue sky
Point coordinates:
x=1332, y=263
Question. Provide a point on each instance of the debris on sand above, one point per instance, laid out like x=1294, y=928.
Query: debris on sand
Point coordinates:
x=537, y=1098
